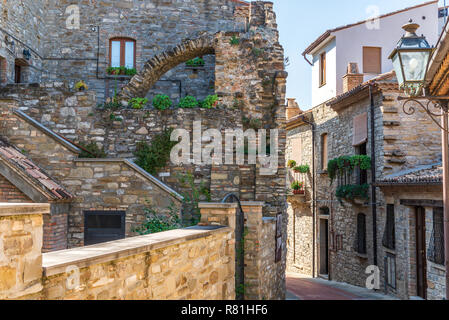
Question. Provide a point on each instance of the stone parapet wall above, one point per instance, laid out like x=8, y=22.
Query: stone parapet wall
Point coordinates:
x=186, y=264
x=21, y=243
x=264, y=279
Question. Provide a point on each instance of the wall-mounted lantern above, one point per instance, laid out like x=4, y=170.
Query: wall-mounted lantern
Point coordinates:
x=26, y=54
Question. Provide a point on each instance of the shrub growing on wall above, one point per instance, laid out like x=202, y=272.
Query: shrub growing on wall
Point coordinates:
x=92, y=151
x=188, y=102
x=210, y=102
x=138, y=103
x=162, y=102
x=158, y=222
x=155, y=156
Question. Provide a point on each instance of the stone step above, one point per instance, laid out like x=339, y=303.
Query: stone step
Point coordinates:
x=388, y=109
x=392, y=123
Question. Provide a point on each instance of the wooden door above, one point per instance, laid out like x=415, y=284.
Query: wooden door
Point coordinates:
x=17, y=73
x=421, y=276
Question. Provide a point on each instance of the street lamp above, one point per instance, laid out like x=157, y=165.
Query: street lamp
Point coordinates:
x=411, y=60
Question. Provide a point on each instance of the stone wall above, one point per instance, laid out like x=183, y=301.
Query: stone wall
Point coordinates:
x=406, y=242
x=186, y=264
x=154, y=25
x=400, y=144
x=9, y=192
x=114, y=185
x=21, y=242
x=22, y=27
x=264, y=279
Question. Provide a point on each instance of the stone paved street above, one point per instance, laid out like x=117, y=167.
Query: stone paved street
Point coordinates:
x=301, y=287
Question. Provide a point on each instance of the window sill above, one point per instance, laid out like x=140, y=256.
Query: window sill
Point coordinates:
x=323, y=172
x=362, y=255
x=390, y=251
x=124, y=77
x=437, y=266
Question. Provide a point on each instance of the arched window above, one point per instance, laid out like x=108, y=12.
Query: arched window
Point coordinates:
x=122, y=53
x=361, y=233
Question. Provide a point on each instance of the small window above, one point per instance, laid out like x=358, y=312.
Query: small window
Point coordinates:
x=324, y=211
x=436, y=246
x=361, y=233
x=389, y=239
x=372, y=60
x=3, y=70
x=324, y=155
x=122, y=53
x=323, y=69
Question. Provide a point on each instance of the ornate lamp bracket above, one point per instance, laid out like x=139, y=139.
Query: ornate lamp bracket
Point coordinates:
x=435, y=107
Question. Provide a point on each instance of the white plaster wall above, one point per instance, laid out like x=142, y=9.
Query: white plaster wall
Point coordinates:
x=329, y=90
x=348, y=47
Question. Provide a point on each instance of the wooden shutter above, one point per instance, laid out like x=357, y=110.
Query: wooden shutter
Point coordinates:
x=372, y=60
x=389, y=239
x=323, y=69
x=361, y=233
x=296, y=150
x=324, y=158
x=360, y=129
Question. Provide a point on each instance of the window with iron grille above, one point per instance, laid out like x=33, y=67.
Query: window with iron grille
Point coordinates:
x=436, y=246
x=389, y=239
x=361, y=234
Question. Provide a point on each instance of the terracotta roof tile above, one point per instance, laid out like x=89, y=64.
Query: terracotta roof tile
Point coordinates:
x=430, y=174
x=15, y=158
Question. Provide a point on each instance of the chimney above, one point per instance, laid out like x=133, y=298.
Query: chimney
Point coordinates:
x=352, y=78
x=292, y=108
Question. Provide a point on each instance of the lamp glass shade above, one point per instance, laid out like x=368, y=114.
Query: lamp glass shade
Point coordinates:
x=414, y=64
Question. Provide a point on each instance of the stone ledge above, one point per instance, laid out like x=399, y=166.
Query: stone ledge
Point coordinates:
x=56, y=262
x=16, y=209
x=217, y=205
x=137, y=169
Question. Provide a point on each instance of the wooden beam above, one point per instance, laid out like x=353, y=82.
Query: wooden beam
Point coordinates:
x=422, y=203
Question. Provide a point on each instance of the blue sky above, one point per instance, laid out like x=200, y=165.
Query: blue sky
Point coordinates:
x=301, y=22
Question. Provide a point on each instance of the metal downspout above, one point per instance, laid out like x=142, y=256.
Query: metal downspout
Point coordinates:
x=373, y=177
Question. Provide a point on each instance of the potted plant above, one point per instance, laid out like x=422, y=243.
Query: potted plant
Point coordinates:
x=81, y=86
x=301, y=169
x=291, y=164
x=298, y=187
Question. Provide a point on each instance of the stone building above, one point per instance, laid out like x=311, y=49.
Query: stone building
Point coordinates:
x=53, y=41
x=49, y=122
x=338, y=235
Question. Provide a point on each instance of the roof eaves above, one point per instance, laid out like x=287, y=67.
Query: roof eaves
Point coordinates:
x=322, y=37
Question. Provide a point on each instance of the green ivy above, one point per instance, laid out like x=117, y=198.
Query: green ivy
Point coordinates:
x=155, y=156
x=346, y=164
x=92, y=151
x=188, y=102
x=158, y=222
x=192, y=197
x=351, y=191
x=162, y=102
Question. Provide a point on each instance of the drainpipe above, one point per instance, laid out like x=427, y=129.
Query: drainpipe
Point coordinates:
x=373, y=177
x=313, y=126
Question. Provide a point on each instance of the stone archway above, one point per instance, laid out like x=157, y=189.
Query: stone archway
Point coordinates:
x=157, y=66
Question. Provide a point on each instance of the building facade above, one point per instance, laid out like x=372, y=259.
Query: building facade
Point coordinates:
x=339, y=234
x=367, y=43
